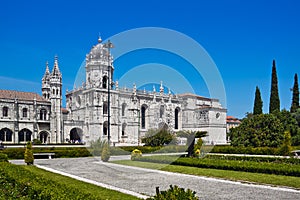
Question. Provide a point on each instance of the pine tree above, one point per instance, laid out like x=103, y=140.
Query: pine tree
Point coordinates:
x=295, y=100
x=274, y=97
x=258, y=103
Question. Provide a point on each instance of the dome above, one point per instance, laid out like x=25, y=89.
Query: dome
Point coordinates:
x=98, y=52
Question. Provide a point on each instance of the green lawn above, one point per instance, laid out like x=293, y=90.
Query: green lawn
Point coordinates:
x=99, y=192
x=270, y=179
x=30, y=182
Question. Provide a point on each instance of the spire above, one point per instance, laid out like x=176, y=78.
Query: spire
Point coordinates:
x=161, y=88
x=47, y=72
x=56, y=71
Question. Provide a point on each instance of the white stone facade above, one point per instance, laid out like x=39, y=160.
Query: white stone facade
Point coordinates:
x=134, y=112
x=85, y=118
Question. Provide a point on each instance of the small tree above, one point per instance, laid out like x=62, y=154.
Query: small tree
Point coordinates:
x=105, y=155
x=28, y=156
x=295, y=100
x=258, y=103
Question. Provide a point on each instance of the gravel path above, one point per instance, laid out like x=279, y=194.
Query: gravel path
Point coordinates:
x=144, y=181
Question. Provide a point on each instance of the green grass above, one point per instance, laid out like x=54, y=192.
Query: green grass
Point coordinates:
x=269, y=179
x=15, y=175
x=99, y=192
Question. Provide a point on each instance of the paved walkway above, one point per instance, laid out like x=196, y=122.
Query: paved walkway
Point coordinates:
x=144, y=181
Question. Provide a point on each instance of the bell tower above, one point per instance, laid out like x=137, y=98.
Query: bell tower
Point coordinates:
x=99, y=67
x=55, y=83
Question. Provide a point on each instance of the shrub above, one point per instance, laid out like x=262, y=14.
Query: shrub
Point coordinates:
x=96, y=147
x=286, y=147
x=3, y=157
x=36, y=141
x=29, y=154
x=105, y=155
x=174, y=193
x=136, y=154
x=160, y=137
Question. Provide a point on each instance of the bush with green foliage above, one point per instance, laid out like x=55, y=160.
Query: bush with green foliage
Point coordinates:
x=263, y=130
x=286, y=148
x=136, y=154
x=105, y=155
x=97, y=146
x=28, y=156
x=3, y=157
x=36, y=141
x=174, y=193
x=160, y=137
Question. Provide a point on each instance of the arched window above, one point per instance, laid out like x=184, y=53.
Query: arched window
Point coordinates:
x=25, y=135
x=143, y=117
x=53, y=91
x=161, y=111
x=176, y=118
x=25, y=112
x=123, y=109
x=123, y=129
x=104, y=82
x=6, y=135
x=105, y=108
x=105, y=127
x=56, y=91
x=5, y=111
x=43, y=114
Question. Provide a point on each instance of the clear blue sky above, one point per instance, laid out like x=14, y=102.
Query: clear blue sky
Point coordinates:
x=242, y=37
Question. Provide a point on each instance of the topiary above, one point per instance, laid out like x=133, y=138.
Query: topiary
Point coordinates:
x=135, y=154
x=174, y=193
x=105, y=155
x=28, y=156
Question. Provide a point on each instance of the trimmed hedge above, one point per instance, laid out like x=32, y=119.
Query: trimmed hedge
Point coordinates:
x=236, y=165
x=245, y=150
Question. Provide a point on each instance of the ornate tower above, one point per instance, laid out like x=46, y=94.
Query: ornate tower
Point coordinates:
x=55, y=83
x=46, y=83
x=99, y=66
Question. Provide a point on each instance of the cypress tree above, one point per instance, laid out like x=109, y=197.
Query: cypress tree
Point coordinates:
x=258, y=103
x=274, y=97
x=295, y=100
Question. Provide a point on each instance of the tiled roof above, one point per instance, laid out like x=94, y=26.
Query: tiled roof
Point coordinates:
x=29, y=96
x=231, y=119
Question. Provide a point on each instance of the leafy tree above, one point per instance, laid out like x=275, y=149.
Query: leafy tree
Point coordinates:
x=290, y=124
x=158, y=137
x=191, y=135
x=274, y=97
x=295, y=100
x=263, y=130
x=258, y=103
x=28, y=156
